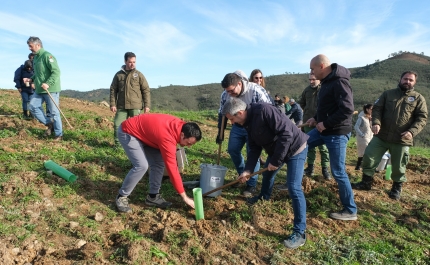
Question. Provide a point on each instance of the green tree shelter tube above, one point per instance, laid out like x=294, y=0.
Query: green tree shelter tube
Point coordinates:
x=60, y=171
x=388, y=172
x=198, y=203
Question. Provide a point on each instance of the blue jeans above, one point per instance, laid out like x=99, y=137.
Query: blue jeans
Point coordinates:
x=295, y=166
x=336, y=145
x=37, y=110
x=238, y=138
x=26, y=97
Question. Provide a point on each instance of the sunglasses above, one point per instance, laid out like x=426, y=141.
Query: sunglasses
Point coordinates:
x=256, y=77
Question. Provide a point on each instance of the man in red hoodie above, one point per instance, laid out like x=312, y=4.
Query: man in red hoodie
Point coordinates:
x=150, y=140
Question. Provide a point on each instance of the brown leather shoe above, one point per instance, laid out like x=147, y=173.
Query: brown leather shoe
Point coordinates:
x=58, y=138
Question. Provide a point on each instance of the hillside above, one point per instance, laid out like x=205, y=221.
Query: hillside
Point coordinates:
x=367, y=82
x=47, y=220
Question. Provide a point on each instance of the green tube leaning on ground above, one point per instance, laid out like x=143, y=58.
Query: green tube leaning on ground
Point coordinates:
x=198, y=203
x=60, y=171
x=388, y=172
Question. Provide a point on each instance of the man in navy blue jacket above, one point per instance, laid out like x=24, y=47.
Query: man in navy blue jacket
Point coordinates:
x=270, y=129
x=333, y=121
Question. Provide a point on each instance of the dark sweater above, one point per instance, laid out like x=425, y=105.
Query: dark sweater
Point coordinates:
x=273, y=131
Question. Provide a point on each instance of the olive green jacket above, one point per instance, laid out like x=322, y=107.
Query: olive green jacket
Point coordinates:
x=129, y=90
x=308, y=101
x=46, y=70
x=396, y=112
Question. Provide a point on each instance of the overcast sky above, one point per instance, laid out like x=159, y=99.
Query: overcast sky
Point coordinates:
x=198, y=42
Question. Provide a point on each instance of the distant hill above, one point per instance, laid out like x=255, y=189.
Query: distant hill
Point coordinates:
x=367, y=82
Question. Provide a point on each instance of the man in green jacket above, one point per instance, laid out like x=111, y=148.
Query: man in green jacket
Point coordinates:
x=308, y=101
x=46, y=79
x=398, y=115
x=129, y=93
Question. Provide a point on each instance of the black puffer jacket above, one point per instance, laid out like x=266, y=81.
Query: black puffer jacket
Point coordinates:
x=335, y=102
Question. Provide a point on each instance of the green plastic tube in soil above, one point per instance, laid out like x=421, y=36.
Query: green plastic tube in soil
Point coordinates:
x=388, y=172
x=60, y=171
x=198, y=203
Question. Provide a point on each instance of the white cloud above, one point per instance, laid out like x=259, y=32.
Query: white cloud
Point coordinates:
x=266, y=23
x=159, y=41
x=42, y=28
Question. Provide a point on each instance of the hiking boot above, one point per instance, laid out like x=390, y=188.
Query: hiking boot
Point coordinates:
x=344, y=215
x=282, y=187
x=364, y=184
x=122, y=204
x=309, y=171
x=325, y=173
x=358, y=166
x=249, y=191
x=253, y=200
x=26, y=115
x=49, y=130
x=58, y=138
x=158, y=201
x=395, y=191
x=295, y=240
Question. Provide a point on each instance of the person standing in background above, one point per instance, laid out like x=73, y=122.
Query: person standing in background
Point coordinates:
x=129, y=93
x=25, y=88
x=309, y=103
x=296, y=112
x=363, y=132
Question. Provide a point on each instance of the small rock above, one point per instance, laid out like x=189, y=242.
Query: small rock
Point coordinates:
x=73, y=224
x=80, y=243
x=15, y=251
x=223, y=222
x=191, y=222
x=98, y=217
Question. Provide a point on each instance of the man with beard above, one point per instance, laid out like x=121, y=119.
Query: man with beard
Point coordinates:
x=308, y=102
x=398, y=116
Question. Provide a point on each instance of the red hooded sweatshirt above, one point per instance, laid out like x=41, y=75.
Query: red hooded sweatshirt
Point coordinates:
x=160, y=131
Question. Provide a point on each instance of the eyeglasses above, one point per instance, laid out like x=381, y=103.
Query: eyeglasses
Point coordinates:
x=258, y=77
x=231, y=90
x=312, y=80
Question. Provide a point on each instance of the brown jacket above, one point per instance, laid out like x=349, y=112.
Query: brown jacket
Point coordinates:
x=129, y=90
x=396, y=112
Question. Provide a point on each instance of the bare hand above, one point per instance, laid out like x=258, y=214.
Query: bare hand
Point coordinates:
x=146, y=110
x=19, y=89
x=25, y=79
x=406, y=135
x=188, y=201
x=311, y=122
x=320, y=127
x=45, y=86
x=113, y=109
x=244, y=176
x=271, y=167
x=375, y=129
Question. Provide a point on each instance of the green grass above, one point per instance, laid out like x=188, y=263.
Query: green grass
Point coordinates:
x=387, y=232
